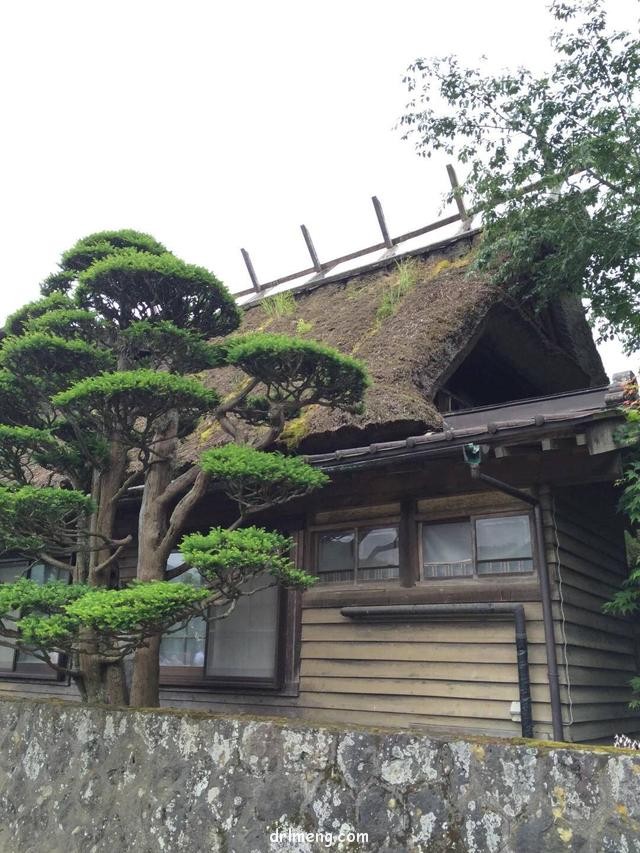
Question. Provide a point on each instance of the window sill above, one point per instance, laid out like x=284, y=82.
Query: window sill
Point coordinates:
x=435, y=590
x=32, y=677
x=220, y=687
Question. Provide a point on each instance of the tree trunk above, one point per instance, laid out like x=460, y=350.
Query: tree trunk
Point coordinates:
x=153, y=554
x=103, y=681
x=145, y=686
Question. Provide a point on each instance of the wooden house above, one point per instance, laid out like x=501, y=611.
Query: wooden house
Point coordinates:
x=451, y=596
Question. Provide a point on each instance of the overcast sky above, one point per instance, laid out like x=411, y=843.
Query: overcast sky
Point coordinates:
x=218, y=125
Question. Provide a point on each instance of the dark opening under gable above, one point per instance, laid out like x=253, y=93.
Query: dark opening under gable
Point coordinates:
x=514, y=357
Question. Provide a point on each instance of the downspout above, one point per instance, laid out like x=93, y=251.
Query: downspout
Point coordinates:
x=407, y=612
x=545, y=594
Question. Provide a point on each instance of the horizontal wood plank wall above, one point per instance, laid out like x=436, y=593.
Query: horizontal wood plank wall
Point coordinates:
x=597, y=653
x=447, y=674
x=455, y=675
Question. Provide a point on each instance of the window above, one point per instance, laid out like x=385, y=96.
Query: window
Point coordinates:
x=447, y=550
x=21, y=663
x=503, y=545
x=477, y=546
x=245, y=643
x=241, y=647
x=183, y=649
x=358, y=554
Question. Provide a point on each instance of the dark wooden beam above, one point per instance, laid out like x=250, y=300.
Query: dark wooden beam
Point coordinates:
x=312, y=249
x=382, y=222
x=457, y=197
x=250, y=269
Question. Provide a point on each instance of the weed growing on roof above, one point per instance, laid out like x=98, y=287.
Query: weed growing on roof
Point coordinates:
x=279, y=305
x=303, y=327
x=402, y=282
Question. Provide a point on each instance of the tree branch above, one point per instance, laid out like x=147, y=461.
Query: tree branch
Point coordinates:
x=183, y=508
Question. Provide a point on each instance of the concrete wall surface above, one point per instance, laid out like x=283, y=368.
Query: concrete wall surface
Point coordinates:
x=95, y=779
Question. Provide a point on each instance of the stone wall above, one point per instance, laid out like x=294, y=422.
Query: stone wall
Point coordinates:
x=73, y=779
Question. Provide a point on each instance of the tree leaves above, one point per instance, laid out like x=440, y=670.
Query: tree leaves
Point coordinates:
x=298, y=372
x=34, y=518
x=57, y=616
x=130, y=285
x=256, y=480
x=227, y=559
x=554, y=163
x=129, y=403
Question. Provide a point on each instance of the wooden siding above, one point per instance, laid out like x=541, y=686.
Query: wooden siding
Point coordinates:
x=22, y=688
x=454, y=675
x=596, y=652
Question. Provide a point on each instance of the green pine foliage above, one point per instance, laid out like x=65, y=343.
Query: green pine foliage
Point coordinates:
x=100, y=245
x=66, y=361
x=69, y=324
x=300, y=372
x=255, y=479
x=15, y=405
x=15, y=323
x=228, y=558
x=20, y=449
x=61, y=281
x=130, y=402
x=56, y=616
x=166, y=288
x=160, y=345
x=34, y=518
x=233, y=463
x=95, y=395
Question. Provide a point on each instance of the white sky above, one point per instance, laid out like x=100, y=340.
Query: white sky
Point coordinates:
x=218, y=125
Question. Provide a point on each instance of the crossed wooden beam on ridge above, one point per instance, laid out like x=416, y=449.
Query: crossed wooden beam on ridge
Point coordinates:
x=388, y=242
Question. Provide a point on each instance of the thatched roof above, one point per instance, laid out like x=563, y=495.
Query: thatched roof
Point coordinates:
x=409, y=321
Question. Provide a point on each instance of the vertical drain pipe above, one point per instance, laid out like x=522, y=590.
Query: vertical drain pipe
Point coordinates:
x=524, y=684
x=545, y=595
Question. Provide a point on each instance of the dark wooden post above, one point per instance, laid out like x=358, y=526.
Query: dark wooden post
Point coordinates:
x=382, y=222
x=250, y=269
x=457, y=197
x=312, y=249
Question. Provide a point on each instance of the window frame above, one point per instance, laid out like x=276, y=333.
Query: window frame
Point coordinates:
x=192, y=676
x=358, y=524
x=423, y=520
x=37, y=672
x=287, y=656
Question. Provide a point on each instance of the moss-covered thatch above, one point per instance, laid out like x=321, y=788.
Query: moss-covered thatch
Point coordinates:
x=409, y=321
x=430, y=309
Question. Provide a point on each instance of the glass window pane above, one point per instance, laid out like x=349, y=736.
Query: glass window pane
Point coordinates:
x=503, y=545
x=10, y=570
x=244, y=644
x=184, y=647
x=6, y=658
x=446, y=550
x=43, y=574
x=378, y=553
x=336, y=556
